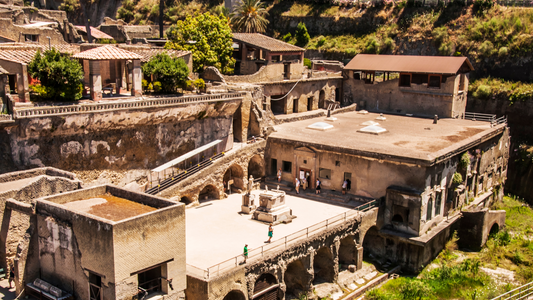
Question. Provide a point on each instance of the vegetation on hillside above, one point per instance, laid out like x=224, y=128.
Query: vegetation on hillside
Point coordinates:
x=208, y=37
x=60, y=76
x=456, y=274
x=488, y=88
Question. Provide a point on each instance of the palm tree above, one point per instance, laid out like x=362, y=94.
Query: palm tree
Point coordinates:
x=249, y=16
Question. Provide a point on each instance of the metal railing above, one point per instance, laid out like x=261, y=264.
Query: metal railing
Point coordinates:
x=523, y=292
x=121, y=105
x=485, y=118
x=286, y=241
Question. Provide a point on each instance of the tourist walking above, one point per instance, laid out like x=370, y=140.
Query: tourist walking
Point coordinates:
x=318, y=187
x=297, y=184
x=344, y=186
x=11, y=274
x=304, y=183
x=245, y=252
x=279, y=175
x=270, y=233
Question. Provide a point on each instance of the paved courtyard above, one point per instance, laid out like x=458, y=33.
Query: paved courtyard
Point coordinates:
x=217, y=232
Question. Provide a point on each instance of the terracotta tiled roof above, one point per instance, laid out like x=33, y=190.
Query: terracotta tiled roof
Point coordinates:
x=408, y=63
x=148, y=53
x=107, y=52
x=24, y=53
x=94, y=32
x=265, y=42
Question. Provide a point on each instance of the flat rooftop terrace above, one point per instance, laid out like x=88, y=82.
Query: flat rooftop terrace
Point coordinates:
x=217, y=232
x=408, y=137
x=109, y=207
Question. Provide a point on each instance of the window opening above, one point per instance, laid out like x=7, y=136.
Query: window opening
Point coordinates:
x=150, y=281
x=405, y=80
x=95, y=286
x=324, y=173
x=430, y=209
x=287, y=166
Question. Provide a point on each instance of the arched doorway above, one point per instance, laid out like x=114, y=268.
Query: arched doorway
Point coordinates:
x=321, y=99
x=209, y=192
x=347, y=251
x=256, y=166
x=323, y=265
x=234, y=177
x=235, y=295
x=295, y=279
x=494, y=229
x=373, y=244
x=266, y=288
x=186, y=199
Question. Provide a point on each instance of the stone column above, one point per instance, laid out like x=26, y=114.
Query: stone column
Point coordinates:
x=95, y=80
x=136, y=88
x=118, y=75
x=302, y=57
x=244, y=52
x=23, y=89
x=358, y=257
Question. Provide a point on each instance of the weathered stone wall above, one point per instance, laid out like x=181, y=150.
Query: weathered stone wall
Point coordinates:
x=136, y=138
x=417, y=99
x=270, y=72
x=476, y=227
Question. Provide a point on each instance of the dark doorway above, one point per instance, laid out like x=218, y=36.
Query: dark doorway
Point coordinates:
x=266, y=287
x=235, y=295
x=150, y=281
x=323, y=266
x=321, y=99
x=273, y=167
x=95, y=287
x=12, y=83
x=209, y=192
x=309, y=103
x=278, y=106
x=295, y=105
x=337, y=95
x=287, y=71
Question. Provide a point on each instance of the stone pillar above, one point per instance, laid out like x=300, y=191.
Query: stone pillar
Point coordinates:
x=244, y=52
x=136, y=88
x=23, y=88
x=95, y=80
x=358, y=257
x=118, y=75
x=302, y=57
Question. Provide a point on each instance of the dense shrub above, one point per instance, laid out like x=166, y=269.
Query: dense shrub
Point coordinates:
x=321, y=41
x=487, y=48
x=308, y=63
x=60, y=77
x=503, y=52
x=482, y=92
x=170, y=72
x=457, y=178
x=287, y=38
x=372, y=45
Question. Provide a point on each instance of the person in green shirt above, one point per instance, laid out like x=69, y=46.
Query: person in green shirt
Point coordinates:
x=245, y=254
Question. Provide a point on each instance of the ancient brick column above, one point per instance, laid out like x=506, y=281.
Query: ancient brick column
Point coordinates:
x=136, y=89
x=95, y=80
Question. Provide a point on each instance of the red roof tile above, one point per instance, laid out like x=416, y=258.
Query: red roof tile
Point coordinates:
x=107, y=52
x=408, y=63
x=264, y=42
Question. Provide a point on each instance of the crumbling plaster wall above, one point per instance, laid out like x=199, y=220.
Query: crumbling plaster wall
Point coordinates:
x=18, y=226
x=309, y=88
x=137, y=138
x=244, y=278
x=268, y=73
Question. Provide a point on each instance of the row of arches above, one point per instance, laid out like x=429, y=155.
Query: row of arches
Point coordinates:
x=234, y=175
x=297, y=279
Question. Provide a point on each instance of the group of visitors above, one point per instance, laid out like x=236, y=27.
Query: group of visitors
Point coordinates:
x=270, y=235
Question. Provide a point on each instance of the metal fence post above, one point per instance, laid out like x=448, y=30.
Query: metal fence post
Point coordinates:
x=285, y=242
x=307, y=234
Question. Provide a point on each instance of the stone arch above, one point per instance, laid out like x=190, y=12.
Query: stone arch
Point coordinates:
x=186, y=199
x=397, y=218
x=256, y=166
x=373, y=244
x=235, y=173
x=495, y=228
x=348, y=251
x=266, y=287
x=321, y=99
x=209, y=191
x=235, y=295
x=323, y=266
x=295, y=279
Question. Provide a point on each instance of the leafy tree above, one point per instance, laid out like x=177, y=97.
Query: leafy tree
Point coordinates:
x=249, y=16
x=169, y=71
x=302, y=36
x=69, y=6
x=208, y=37
x=60, y=76
x=126, y=11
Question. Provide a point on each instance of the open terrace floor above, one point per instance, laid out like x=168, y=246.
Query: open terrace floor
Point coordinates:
x=217, y=232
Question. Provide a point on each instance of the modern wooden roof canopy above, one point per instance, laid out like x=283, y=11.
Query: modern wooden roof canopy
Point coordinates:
x=264, y=42
x=409, y=64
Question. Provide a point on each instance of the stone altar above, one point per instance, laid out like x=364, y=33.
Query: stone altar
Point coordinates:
x=248, y=203
x=272, y=207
